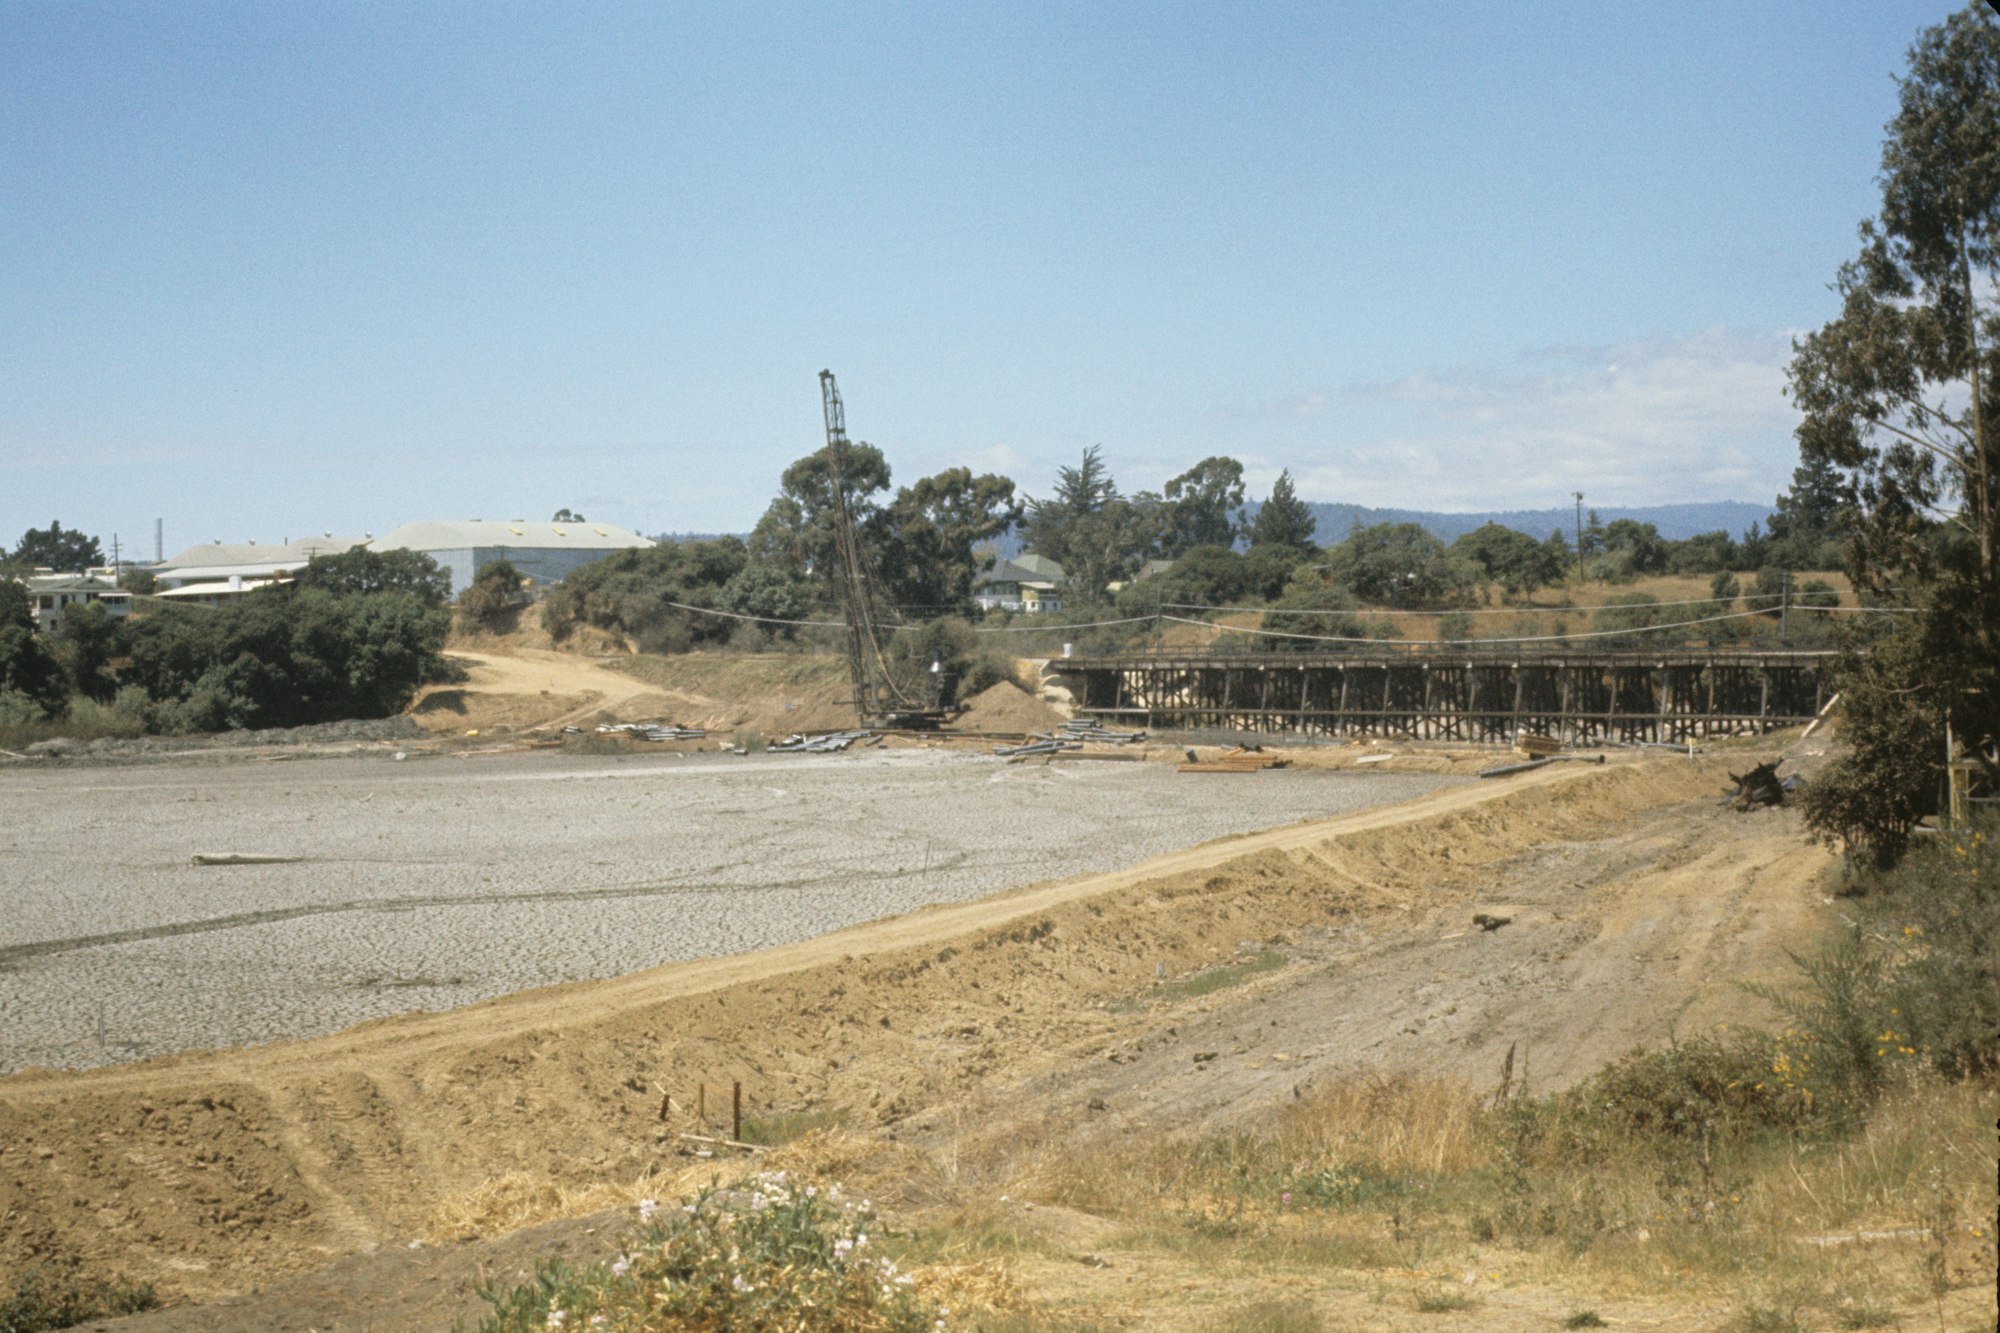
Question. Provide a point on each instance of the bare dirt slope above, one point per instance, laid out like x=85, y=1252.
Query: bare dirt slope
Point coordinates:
x=524, y=688
x=211, y=1172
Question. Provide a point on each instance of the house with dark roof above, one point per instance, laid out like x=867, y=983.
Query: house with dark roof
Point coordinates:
x=1030, y=584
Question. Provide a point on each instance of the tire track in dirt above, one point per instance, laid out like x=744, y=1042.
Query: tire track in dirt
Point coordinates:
x=16, y=953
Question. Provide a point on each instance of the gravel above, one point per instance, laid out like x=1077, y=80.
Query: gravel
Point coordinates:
x=434, y=883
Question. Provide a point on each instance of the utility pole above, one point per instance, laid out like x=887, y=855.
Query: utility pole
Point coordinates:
x=1579, y=534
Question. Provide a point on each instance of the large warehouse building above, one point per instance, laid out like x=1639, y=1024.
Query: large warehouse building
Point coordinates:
x=543, y=552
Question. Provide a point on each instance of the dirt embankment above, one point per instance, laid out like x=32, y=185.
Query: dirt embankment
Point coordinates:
x=523, y=682
x=212, y=1171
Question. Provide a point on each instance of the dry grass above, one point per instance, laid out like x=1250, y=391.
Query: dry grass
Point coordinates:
x=1402, y=1123
x=508, y=1203
x=1398, y=1125
x=1387, y=1174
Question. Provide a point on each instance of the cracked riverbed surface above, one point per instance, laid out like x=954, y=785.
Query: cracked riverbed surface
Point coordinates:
x=435, y=883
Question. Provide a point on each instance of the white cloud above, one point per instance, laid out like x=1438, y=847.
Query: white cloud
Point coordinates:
x=1643, y=422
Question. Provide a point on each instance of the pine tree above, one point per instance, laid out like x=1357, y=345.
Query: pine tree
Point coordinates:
x=1284, y=519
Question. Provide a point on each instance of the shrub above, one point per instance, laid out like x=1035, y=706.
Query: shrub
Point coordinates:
x=29, y=671
x=494, y=598
x=643, y=592
x=1312, y=608
x=772, y=1255
x=1705, y=1085
x=1637, y=613
x=965, y=666
x=59, y=1294
x=1941, y=911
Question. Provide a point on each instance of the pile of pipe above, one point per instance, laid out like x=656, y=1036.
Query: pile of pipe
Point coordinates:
x=1083, y=729
x=830, y=743
x=654, y=731
x=1037, y=743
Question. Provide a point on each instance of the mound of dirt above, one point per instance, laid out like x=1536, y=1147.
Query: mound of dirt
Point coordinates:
x=1006, y=707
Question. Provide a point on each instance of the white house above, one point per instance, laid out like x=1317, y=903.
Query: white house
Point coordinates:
x=51, y=594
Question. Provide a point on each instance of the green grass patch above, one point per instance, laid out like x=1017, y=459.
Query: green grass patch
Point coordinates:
x=1205, y=982
x=784, y=1126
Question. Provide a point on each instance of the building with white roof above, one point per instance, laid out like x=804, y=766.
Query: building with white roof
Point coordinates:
x=543, y=552
x=239, y=564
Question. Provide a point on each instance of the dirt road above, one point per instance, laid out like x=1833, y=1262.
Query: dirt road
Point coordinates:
x=541, y=688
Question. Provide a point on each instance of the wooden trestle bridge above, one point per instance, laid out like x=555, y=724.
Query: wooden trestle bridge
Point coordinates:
x=1456, y=695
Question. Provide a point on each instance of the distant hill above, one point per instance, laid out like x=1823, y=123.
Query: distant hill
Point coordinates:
x=1675, y=522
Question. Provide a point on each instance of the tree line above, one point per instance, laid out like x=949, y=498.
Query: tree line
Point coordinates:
x=354, y=636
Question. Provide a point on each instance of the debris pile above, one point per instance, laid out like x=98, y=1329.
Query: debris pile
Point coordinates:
x=1242, y=759
x=1760, y=786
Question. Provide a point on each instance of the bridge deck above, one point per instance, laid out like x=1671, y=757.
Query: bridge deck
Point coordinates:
x=1479, y=695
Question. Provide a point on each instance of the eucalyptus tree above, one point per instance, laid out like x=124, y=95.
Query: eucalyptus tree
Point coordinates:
x=1901, y=394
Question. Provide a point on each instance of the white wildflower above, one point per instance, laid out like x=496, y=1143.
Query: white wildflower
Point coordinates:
x=647, y=1207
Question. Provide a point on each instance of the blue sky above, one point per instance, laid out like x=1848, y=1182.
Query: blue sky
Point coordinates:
x=273, y=269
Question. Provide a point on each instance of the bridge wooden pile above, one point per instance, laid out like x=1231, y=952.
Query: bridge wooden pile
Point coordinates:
x=1457, y=695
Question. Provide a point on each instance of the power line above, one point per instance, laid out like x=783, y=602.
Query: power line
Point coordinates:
x=1772, y=598
x=1455, y=643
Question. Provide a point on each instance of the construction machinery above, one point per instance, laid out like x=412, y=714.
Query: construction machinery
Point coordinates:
x=880, y=701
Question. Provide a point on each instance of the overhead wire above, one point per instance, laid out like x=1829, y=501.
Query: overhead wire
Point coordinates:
x=1536, y=638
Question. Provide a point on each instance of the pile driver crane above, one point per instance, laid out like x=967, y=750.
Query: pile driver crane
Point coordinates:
x=879, y=701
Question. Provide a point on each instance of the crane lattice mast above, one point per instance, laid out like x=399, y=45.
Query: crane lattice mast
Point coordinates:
x=875, y=692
